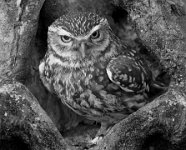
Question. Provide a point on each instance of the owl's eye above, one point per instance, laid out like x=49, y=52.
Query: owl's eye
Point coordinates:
x=95, y=35
x=65, y=38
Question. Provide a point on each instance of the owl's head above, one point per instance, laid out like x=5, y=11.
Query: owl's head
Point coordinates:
x=79, y=36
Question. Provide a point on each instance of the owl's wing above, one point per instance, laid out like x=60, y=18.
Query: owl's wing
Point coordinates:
x=130, y=73
x=44, y=76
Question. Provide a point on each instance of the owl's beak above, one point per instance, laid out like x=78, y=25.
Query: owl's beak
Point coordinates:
x=82, y=49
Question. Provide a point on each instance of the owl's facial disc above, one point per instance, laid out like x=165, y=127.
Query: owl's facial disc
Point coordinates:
x=83, y=47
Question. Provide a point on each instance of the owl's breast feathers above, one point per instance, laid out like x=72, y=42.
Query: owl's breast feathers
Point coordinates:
x=104, y=91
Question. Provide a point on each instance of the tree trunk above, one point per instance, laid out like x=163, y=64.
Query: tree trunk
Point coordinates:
x=160, y=26
x=18, y=28
x=23, y=123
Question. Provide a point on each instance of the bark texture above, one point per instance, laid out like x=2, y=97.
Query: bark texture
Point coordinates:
x=160, y=26
x=18, y=26
x=24, y=122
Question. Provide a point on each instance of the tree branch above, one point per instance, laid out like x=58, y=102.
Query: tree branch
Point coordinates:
x=22, y=117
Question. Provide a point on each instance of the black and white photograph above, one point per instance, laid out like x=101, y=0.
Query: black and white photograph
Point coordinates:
x=92, y=74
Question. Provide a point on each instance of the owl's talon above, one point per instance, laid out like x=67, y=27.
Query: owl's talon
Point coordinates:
x=96, y=140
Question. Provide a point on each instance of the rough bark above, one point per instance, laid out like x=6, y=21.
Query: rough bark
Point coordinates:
x=160, y=26
x=18, y=26
x=24, y=121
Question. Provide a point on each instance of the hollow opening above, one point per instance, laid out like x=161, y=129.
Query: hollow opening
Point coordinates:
x=14, y=143
x=61, y=115
x=158, y=142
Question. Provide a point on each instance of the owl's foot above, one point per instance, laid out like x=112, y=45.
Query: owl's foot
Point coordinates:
x=88, y=145
x=96, y=140
x=105, y=128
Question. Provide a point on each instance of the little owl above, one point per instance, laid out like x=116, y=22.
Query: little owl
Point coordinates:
x=92, y=72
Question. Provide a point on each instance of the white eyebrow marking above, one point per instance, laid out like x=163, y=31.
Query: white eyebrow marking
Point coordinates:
x=79, y=38
x=60, y=31
x=64, y=32
x=97, y=27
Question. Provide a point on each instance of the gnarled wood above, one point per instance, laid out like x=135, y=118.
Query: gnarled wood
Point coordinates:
x=160, y=25
x=24, y=121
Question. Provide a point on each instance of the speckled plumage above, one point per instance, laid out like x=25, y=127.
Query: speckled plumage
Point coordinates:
x=78, y=23
x=97, y=78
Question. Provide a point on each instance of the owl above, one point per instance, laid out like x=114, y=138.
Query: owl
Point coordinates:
x=92, y=72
